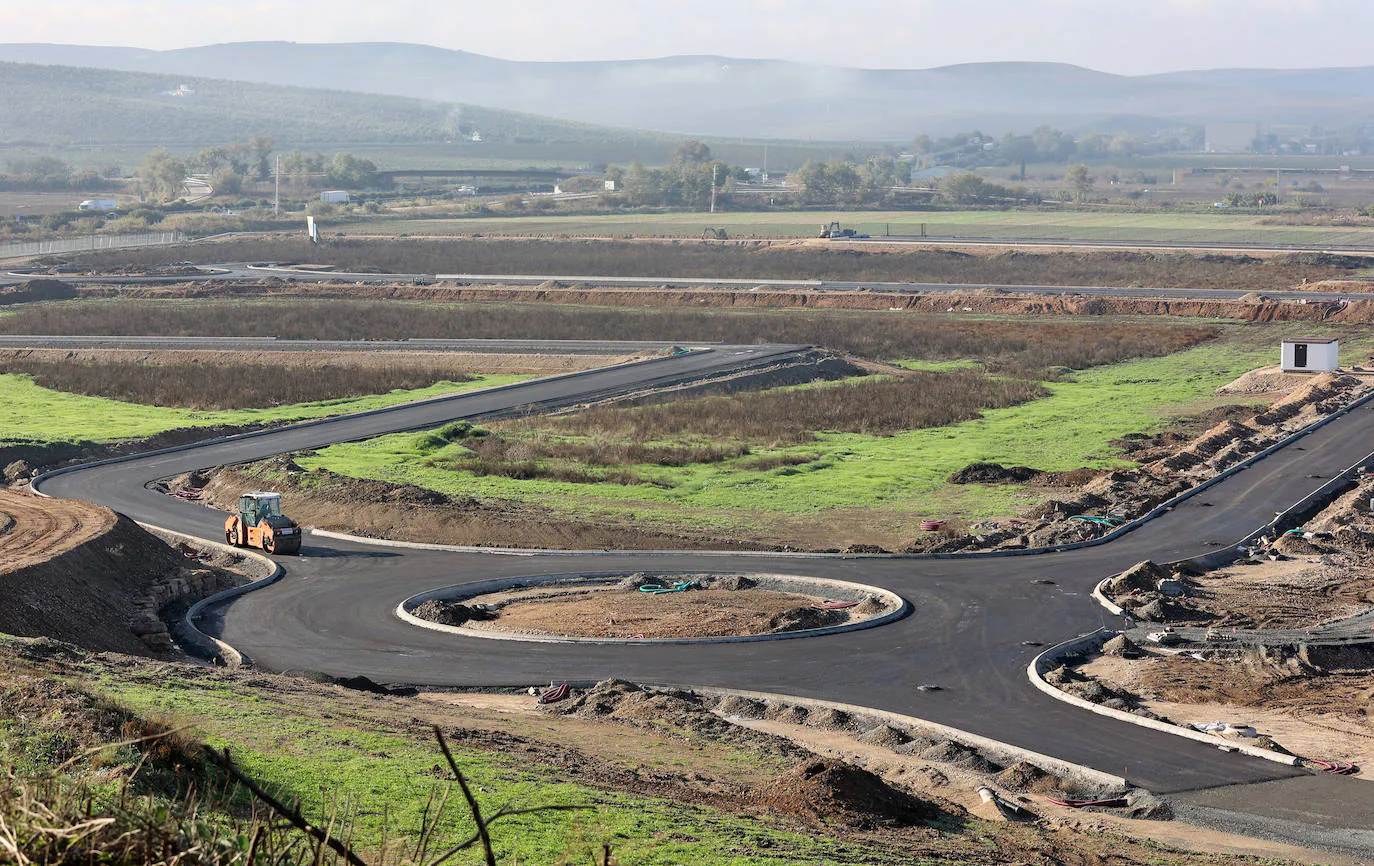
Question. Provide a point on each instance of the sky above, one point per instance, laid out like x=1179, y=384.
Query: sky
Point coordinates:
x=1128, y=37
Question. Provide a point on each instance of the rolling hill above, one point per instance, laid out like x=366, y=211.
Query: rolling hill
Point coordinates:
x=69, y=105
x=720, y=96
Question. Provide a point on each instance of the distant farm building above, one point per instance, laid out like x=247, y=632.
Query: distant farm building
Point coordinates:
x=1310, y=354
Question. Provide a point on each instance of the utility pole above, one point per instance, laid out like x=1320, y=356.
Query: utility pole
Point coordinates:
x=276, y=197
x=714, y=169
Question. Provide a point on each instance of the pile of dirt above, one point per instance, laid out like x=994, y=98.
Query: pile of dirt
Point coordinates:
x=1308, y=399
x=1265, y=380
x=80, y=573
x=1121, y=646
x=886, y=736
x=449, y=612
x=958, y=755
x=739, y=707
x=824, y=789
x=674, y=711
x=1024, y=777
x=36, y=290
x=830, y=719
x=1141, y=577
x=804, y=617
x=993, y=473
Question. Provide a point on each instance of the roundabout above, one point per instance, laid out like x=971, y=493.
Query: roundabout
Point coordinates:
x=653, y=607
x=979, y=616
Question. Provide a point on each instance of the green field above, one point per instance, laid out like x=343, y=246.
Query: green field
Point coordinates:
x=30, y=414
x=1157, y=227
x=891, y=480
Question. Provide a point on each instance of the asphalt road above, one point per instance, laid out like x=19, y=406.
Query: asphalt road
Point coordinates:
x=333, y=610
x=243, y=271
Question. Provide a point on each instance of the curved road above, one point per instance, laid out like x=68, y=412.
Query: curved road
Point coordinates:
x=333, y=611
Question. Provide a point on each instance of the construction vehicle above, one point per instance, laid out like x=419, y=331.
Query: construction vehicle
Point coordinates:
x=714, y=233
x=260, y=523
x=833, y=231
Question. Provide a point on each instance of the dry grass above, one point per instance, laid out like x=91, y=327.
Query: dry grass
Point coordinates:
x=788, y=416
x=193, y=386
x=1014, y=346
x=604, y=444
x=780, y=261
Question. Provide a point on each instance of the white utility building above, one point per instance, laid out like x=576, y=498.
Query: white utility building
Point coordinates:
x=1310, y=354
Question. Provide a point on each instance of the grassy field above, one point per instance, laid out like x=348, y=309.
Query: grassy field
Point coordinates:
x=855, y=486
x=30, y=414
x=1151, y=227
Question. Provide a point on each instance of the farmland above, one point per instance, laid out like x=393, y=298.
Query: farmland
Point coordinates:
x=764, y=261
x=1189, y=228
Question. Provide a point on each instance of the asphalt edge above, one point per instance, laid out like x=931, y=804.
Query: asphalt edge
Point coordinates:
x=901, y=610
x=1042, y=663
x=1136, y=523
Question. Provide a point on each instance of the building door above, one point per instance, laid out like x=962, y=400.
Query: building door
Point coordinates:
x=1299, y=354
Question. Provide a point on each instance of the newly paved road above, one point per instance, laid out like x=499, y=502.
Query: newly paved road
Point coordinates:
x=333, y=611
x=238, y=272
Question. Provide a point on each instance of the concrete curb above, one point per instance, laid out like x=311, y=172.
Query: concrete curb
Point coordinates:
x=209, y=643
x=1043, y=662
x=213, y=646
x=995, y=749
x=462, y=592
x=1217, y=558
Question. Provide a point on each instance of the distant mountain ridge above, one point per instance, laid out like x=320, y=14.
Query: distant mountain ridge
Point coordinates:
x=729, y=97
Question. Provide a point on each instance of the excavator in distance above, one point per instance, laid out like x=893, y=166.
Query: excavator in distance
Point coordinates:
x=260, y=523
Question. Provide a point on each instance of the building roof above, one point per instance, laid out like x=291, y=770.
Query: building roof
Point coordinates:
x=1312, y=340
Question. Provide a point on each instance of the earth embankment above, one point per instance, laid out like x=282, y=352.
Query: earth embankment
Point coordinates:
x=81, y=573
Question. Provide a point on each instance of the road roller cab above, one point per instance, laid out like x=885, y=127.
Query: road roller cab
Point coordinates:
x=260, y=523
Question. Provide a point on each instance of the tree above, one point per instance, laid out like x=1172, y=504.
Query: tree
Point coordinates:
x=352, y=172
x=691, y=152
x=162, y=175
x=262, y=148
x=1078, y=178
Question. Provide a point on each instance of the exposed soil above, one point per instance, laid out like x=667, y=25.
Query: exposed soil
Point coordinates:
x=621, y=610
x=81, y=573
x=626, y=740
x=964, y=301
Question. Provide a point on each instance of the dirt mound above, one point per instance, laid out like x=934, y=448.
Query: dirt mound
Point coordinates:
x=961, y=756
x=788, y=713
x=1141, y=577
x=993, y=473
x=886, y=736
x=830, y=719
x=804, y=617
x=1025, y=777
x=744, y=708
x=823, y=789
x=449, y=612
x=74, y=571
x=1265, y=380
x=1121, y=646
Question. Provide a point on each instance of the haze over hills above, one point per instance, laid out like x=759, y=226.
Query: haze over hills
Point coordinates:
x=71, y=105
x=720, y=96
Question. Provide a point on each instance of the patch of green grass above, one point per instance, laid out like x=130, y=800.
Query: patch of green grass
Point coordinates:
x=389, y=775
x=1068, y=429
x=31, y=414
x=940, y=366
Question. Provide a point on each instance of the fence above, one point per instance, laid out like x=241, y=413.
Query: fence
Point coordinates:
x=88, y=243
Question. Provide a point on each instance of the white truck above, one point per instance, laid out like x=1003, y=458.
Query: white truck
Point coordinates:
x=334, y=196
x=104, y=205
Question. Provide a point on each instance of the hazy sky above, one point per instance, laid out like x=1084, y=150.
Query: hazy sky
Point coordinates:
x=1124, y=36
